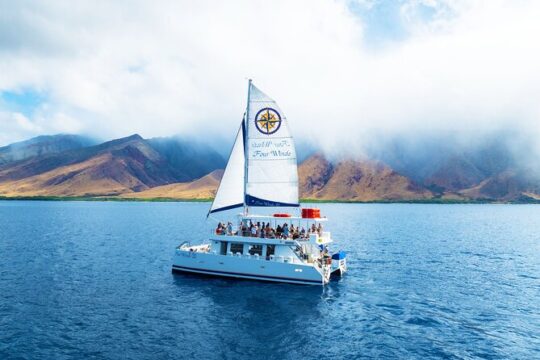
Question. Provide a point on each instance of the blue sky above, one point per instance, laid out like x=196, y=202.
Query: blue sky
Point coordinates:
x=25, y=101
x=381, y=19
x=404, y=66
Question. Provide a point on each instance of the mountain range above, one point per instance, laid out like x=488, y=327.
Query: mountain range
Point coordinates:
x=120, y=166
x=179, y=168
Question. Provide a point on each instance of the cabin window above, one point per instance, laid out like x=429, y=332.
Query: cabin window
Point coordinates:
x=237, y=248
x=270, y=250
x=255, y=249
x=223, y=248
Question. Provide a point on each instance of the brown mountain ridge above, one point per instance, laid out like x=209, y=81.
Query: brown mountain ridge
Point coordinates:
x=173, y=168
x=355, y=180
x=115, y=167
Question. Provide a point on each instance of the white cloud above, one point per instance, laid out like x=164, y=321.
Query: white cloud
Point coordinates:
x=161, y=68
x=15, y=125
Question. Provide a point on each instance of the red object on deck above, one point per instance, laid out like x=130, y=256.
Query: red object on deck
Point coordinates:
x=282, y=215
x=311, y=213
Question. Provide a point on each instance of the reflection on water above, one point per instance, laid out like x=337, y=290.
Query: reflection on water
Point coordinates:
x=88, y=279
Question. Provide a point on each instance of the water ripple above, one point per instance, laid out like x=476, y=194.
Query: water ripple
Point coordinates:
x=89, y=279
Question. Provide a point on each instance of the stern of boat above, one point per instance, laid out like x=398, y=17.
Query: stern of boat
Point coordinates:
x=339, y=263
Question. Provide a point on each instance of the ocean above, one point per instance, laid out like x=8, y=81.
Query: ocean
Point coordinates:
x=93, y=280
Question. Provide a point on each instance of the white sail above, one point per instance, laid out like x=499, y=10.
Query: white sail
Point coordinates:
x=230, y=193
x=272, y=175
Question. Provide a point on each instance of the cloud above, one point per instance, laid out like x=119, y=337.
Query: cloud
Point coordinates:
x=168, y=67
x=13, y=124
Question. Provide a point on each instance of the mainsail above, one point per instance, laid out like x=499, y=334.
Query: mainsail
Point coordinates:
x=262, y=168
x=272, y=175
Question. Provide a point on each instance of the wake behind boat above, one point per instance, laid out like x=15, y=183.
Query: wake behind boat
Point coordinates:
x=262, y=173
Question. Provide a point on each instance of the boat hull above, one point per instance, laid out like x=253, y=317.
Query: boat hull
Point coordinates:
x=247, y=267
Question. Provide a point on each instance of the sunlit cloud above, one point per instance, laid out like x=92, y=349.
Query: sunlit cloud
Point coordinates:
x=110, y=69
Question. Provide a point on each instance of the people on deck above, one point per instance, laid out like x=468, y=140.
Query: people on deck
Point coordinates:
x=285, y=230
x=220, y=229
x=253, y=230
x=319, y=229
x=270, y=233
x=264, y=230
x=279, y=231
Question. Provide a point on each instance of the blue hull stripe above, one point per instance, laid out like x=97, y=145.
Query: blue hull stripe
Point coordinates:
x=233, y=274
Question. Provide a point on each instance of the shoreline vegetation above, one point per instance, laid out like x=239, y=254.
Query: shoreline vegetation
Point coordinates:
x=306, y=201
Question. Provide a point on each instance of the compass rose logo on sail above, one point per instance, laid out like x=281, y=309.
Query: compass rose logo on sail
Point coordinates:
x=268, y=121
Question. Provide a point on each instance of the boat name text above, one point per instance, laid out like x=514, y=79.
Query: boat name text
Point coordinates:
x=271, y=149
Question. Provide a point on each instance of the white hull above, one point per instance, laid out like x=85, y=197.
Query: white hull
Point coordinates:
x=248, y=267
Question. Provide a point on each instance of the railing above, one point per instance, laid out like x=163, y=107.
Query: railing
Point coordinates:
x=279, y=236
x=185, y=243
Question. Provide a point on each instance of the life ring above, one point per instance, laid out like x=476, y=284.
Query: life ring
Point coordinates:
x=282, y=215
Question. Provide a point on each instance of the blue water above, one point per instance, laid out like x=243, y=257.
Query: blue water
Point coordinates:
x=93, y=279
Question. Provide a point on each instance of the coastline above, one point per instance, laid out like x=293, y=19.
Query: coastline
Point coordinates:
x=306, y=201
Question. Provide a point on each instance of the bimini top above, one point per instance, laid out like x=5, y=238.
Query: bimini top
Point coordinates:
x=262, y=169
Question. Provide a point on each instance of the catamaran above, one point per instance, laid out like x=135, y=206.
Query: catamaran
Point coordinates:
x=262, y=174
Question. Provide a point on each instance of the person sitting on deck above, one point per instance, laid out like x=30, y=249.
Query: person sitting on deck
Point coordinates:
x=303, y=232
x=229, y=228
x=254, y=230
x=243, y=229
x=270, y=233
x=313, y=229
x=219, y=229
x=279, y=230
x=285, y=229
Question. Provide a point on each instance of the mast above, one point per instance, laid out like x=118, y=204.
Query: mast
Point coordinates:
x=246, y=121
